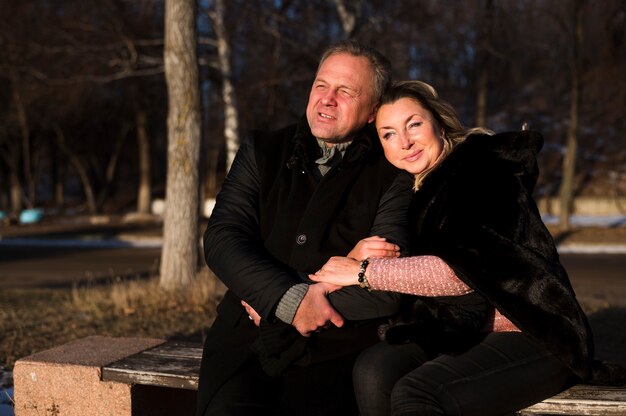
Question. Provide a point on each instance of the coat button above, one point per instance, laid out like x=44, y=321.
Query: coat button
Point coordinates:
x=301, y=239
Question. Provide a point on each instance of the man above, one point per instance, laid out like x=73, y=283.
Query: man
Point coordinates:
x=294, y=198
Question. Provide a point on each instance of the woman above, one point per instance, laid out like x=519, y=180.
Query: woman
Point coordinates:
x=494, y=325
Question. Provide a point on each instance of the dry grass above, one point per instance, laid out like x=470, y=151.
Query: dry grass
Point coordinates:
x=34, y=320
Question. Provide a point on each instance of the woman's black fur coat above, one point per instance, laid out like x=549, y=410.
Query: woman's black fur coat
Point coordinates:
x=476, y=212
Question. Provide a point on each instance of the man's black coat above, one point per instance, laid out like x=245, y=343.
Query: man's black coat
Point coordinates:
x=276, y=220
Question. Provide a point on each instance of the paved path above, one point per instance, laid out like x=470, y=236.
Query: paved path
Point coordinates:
x=60, y=254
x=599, y=279
x=58, y=266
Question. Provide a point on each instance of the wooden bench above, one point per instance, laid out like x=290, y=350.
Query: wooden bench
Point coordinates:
x=103, y=376
x=171, y=364
x=176, y=365
x=165, y=378
x=582, y=400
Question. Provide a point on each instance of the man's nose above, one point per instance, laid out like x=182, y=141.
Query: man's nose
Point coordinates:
x=329, y=97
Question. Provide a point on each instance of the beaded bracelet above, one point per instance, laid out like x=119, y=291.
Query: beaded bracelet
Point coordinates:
x=362, y=278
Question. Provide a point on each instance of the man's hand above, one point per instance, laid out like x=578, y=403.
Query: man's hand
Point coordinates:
x=315, y=312
x=255, y=317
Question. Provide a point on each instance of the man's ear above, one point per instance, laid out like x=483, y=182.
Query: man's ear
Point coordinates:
x=372, y=115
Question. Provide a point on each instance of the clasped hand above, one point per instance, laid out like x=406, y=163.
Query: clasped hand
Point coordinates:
x=343, y=271
x=315, y=312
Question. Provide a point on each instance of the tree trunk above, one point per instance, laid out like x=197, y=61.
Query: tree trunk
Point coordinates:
x=11, y=160
x=16, y=193
x=486, y=30
x=111, y=168
x=212, y=163
x=90, y=198
x=275, y=68
x=569, y=160
x=25, y=133
x=231, y=123
x=347, y=18
x=179, y=256
x=144, y=193
x=58, y=176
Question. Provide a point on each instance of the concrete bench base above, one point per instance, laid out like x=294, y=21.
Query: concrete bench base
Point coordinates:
x=66, y=381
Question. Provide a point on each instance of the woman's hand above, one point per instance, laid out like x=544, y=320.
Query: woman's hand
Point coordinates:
x=374, y=247
x=255, y=317
x=340, y=271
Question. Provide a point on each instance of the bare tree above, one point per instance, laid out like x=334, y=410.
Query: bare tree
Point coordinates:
x=80, y=168
x=179, y=257
x=231, y=117
x=348, y=18
x=25, y=134
x=144, y=192
x=10, y=156
x=482, y=63
x=569, y=161
x=72, y=64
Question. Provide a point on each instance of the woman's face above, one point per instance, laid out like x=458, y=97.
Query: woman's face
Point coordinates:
x=411, y=138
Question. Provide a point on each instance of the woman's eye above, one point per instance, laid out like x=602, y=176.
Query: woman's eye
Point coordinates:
x=387, y=135
x=415, y=124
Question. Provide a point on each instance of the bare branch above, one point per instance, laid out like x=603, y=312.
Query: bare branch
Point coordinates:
x=99, y=79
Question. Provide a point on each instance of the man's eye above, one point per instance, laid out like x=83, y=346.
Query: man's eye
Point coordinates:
x=345, y=93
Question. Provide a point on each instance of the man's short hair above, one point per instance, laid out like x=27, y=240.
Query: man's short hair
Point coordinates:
x=381, y=67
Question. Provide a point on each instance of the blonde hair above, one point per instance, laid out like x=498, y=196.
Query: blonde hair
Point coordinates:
x=443, y=114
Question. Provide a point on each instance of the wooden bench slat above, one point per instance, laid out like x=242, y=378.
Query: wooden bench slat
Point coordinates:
x=583, y=400
x=583, y=391
x=177, y=349
x=162, y=365
x=177, y=365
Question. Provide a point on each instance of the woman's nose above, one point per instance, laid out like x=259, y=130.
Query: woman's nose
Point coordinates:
x=405, y=141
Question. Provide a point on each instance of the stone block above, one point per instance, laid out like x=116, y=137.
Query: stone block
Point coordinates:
x=65, y=380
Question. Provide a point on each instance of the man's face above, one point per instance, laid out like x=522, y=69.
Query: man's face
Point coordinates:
x=340, y=102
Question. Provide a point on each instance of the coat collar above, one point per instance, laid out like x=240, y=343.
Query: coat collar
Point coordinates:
x=306, y=149
x=519, y=148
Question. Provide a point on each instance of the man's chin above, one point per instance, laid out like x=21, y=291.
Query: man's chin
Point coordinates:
x=330, y=138
x=334, y=140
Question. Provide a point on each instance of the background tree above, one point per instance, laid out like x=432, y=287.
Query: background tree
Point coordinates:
x=483, y=51
x=179, y=258
x=231, y=114
x=66, y=56
x=569, y=160
x=144, y=191
x=348, y=17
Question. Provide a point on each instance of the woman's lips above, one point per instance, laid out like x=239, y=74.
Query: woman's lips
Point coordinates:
x=413, y=156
